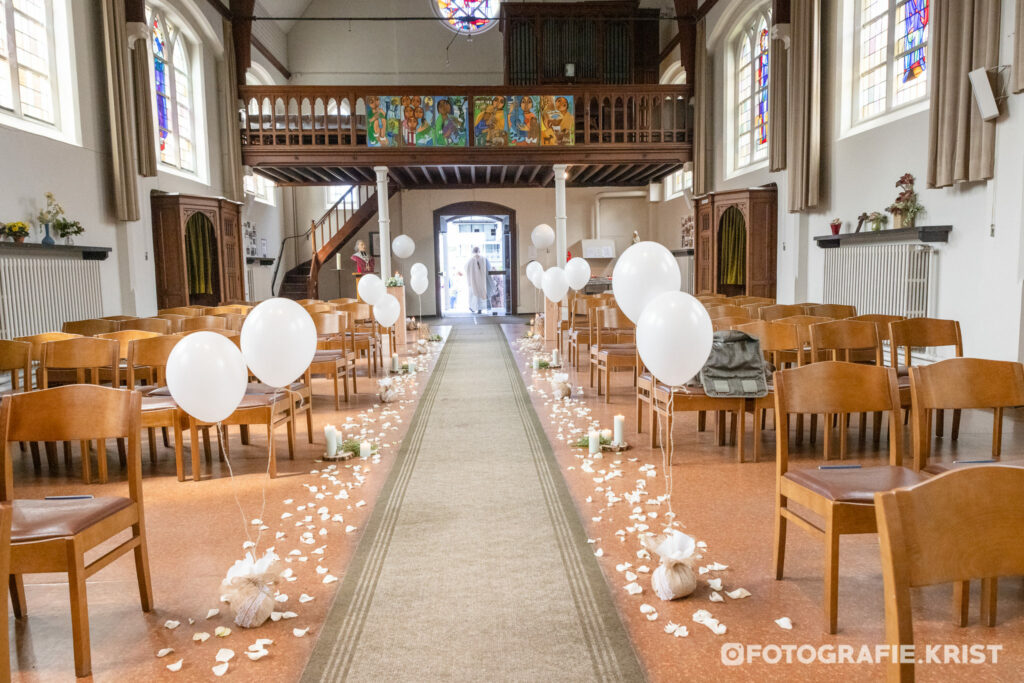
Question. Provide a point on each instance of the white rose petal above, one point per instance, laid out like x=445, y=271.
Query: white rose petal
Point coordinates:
x=300, y=632
x=176, y=666
x=257, y=654
x=222, y=632
x=200, y=637
x=212, y=613
x=738, y=594
x=171, y=624
x=785, y=622
x=220, y=669
x=164, y=652
x=305, y=598
x=225, y=655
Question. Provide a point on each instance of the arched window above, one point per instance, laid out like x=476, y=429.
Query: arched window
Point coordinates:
x=172, y=87
x=890, y=65
x=751, y=55
x=468, y=17
x=28, y=77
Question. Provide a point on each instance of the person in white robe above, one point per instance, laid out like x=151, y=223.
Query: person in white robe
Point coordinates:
x=476, y=278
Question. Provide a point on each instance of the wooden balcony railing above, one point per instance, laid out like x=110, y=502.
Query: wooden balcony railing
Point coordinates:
x=333, y=118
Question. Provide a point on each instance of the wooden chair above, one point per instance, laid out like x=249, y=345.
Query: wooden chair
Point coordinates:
x=753, y=308
x=727, y=311
x=185, y=311
x=613, y=344
x=667, y=401
x=6, y=513
x=54, y=535
x=837, y=311
x=712, y=299
x=119, y=318
x=729, y=322
x=777, y=311
x=881, y=323
x=90, y=328
x=123, y=339
x=158, y=325
x=232, y=321
x=578, y=334
x=203, y=322
x=918, y=333
x=333, y=358
x=79, y=361
x=229, y=309
x=271, y=410
x=841, y=498
x=958, y=526
x=16, y=357
x=961, y=384
x=175, y=320
x=343, y=300
x=319, y=308
x=363, y=339
x=776, y=338
x=158, y=411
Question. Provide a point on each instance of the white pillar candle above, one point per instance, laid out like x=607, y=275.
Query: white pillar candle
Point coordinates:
x=554, y=357
x=395, y=367
x=412, y=366
x=594, y=442
x=364, y=449
x=606, y=434
x=331, y=437
x=536, y=362
x=620, y=430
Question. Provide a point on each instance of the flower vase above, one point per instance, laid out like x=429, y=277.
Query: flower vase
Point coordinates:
x=897, y=221
x=909, y=222
x=69, y=241
x=47, y=239
x=19, y=240
x=835, y=227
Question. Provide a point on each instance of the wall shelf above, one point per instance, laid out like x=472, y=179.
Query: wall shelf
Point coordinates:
x=69, y=251
x=921, y=233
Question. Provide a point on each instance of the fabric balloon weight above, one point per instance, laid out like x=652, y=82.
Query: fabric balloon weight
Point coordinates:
x=577, y=272
x=674, y=578
x=371, y=288
x=387, y=310
x=206, y=376
x=278, y=341
x=645, y=270
x=543, y=236
x=555, y=284
x=673, y=337
x=403, y=246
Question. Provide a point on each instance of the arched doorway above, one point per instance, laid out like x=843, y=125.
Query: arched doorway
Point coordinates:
x=732, y=252
x=459, y=227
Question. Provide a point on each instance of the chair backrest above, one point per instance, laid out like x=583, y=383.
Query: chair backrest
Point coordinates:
x=730, y=322
x=125, y=337
x=357, y=311
x=16, y=356
x=187, y=311
x=91, y=327
x=175, y=320
x=81, y=354
x=327, y=323
x=230, y=334
x=224, y=310
x=203, y=322
x=71, y=413
x=158, y=325
x=343, y=300
x=37, y=341
x=958, y=526
x=304, y=302
x=921, y=332
x=319, y=308
x=150, y=353
x=753, y=308
x=777, y=311
x=839, y=338
x=119, y=318
x=232, y=321
x=705, y=298
x=881, y=323
x=803, y=325
x=832, y=310
x=774, y=337
x=834, y=387
x=727, y=311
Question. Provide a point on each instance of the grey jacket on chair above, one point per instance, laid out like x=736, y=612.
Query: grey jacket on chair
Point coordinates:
x=736, y=367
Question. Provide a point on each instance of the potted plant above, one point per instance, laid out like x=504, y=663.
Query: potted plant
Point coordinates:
x=906, y=207
x=877, y=219
x=48, y=216
x=836, y=224
x=16, y=230
x=67, y=229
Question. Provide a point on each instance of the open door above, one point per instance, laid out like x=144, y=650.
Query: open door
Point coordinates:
x=732, y=253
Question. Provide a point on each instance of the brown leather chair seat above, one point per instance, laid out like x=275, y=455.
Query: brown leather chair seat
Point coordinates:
x=38, y=520
x=941, y=467
x=646, y=376
x=857, y=485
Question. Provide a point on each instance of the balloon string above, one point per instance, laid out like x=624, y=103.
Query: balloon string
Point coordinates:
x=668, y=449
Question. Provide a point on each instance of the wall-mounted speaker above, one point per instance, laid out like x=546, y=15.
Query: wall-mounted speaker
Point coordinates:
x=984, y=94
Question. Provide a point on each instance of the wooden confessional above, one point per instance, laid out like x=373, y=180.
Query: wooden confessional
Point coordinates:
x=735, y=243
x=197, y=249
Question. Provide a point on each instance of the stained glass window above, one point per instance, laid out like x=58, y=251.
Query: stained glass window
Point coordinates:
x=752, y=59
x=892, y=42
x=172, y=89
x=468, y=17
x=27, y=77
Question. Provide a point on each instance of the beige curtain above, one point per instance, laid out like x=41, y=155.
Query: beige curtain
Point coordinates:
x=778, y=60
x=142, y=98
x=230, y=134
x=701, y=101
x=122, y=134
x=803, y=142
x=964, y=36
x=1018, y=50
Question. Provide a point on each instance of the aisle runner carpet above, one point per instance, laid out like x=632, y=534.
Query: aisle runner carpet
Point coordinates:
x=474, y=564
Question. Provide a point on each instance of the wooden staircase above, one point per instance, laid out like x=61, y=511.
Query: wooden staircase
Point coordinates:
x=331, y=232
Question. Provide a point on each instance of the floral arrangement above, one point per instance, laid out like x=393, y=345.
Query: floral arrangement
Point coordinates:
x=352, y=446
x=394, y=281
x=66, y=228
x=877, y=220
x=14, y=230
x=906, y=205
x=52, y=212
x=434, y=338
x=584, y=441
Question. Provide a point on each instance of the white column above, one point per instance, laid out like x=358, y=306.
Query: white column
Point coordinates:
x=383, y=221
x=560, y=241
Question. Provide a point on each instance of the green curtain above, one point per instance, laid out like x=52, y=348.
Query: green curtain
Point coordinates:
x=732, y=250
x=199, y=254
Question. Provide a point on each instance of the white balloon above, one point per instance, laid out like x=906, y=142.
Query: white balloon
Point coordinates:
x=371, y=288
x=543, y=236
x=206, y=376
x=644, y=271
x=417, y=269
x=577, y=271
x=555, y=284
x=673, y=337
x=403, y=246
x=278, y=341
x=533, y=270
x=419, y=284
x=386, y=310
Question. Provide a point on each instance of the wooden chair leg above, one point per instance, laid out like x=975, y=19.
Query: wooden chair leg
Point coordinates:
x=343, y=371
x=940, y=420
x=989, y=599
x=955, y=431
x=151, y=433
x=142, y=569
x=122, y=457
x=37, y=464
x=66, y=445
x=741, y=436
x=814, y=430
x=51, y=456
x=961, y=602
x=799, y=430
x=167, y=443
x=16, y=588
x=831, y=572
x=243, y=431
x=827, y=432
x=179, y=464
x=779, y=559
x=355, y=387
x=844, y=426
x=270, y=449
x=309, y=421
x=194, y=448
x=290, y=426
x=876, y=429
x=79, y=610
x=997, y=431
x=758, y=432
x=719, y=428
x=206, y=445
x=702, y=420
x=337, y=399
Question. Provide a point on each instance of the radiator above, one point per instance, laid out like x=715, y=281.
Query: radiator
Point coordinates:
x=39, y=294
x=884, y=279
x=687, y=272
